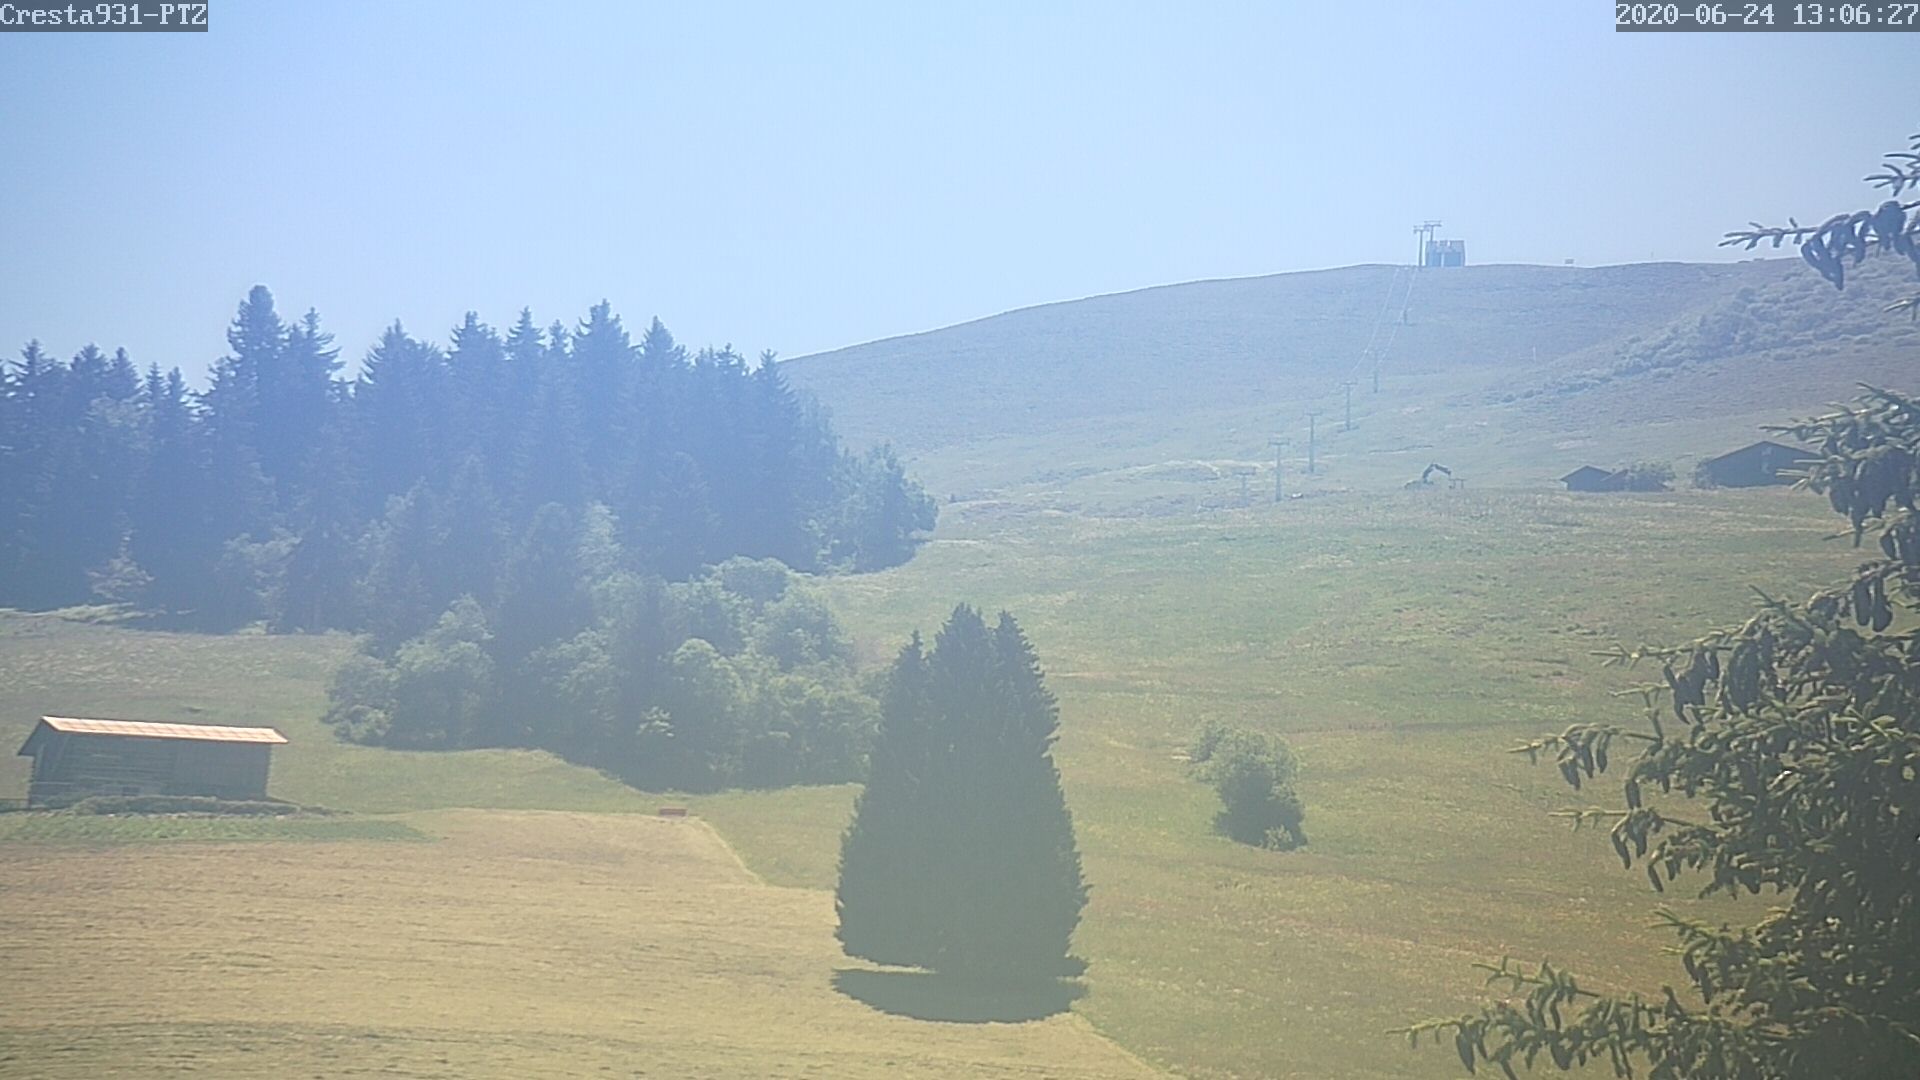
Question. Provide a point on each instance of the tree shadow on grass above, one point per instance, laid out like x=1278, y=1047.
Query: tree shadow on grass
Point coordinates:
x=925, y=995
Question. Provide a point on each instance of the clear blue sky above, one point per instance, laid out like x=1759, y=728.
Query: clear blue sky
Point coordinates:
x=804, y=176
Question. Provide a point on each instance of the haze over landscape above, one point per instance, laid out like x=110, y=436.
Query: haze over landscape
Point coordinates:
x=1116, y=609
x=804, y=179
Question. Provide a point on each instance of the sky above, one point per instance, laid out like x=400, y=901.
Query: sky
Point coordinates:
x=799, y=177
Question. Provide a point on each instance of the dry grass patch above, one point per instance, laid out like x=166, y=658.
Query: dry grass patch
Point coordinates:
x=518, y=944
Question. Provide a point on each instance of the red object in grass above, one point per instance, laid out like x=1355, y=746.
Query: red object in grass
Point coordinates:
x=673, y=811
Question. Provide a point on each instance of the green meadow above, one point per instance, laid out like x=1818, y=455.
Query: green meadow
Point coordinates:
x=1402, y=642
x=1105, y=474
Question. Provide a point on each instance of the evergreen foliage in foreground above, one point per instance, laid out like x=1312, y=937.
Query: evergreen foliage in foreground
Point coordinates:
x=1799, y=731
x=961, y=856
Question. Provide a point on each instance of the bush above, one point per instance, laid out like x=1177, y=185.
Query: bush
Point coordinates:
x=1648, y=476
x=740, y=677
x=1254, y=775
x=443, y=683
x=1204, y=744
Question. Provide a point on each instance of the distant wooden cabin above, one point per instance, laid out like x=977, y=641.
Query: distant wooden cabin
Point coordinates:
x=1590, y=478
x=1636, y=478
x=74, y=759
x=1751, y=466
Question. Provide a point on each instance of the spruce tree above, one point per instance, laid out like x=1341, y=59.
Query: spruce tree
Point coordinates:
x=121, y=381
x=71, y=441
x=77, y=474
x=231, y=411
x=226, y=426
x=888, y=855
x=880, y=512
x=296, y=406
x=172, y=526
x=1034, y=864
x=510, y=443
x=327, y=561
x=399, y=403
x=602, y=363
x=961, y=857
x=554, y=468
x=660, y=359
x=478, y=398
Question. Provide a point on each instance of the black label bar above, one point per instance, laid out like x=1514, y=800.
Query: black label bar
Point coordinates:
x=151, y=16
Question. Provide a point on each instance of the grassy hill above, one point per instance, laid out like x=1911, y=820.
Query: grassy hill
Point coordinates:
x=1163, y=399
x=1400, y=641
x=504, y=913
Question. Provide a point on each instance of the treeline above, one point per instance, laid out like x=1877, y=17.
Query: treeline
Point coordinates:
x=288, y=494
x=560, y=538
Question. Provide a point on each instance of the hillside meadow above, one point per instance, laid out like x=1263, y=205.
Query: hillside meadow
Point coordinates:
x=1164, y=401
x=1402, y=642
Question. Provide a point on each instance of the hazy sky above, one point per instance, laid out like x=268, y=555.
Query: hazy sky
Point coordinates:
x=804, y=176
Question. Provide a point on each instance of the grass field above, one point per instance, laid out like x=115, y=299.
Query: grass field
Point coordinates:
x=1401, y=641
x=120, y=829
x=516, y=944
x=1090, y=458
x=57, y=664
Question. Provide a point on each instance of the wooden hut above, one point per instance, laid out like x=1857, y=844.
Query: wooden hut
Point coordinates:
x=75, y=758
x=1756, y=464
x=1590, y=478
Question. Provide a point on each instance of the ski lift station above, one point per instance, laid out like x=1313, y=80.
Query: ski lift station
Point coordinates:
x=1445, y=253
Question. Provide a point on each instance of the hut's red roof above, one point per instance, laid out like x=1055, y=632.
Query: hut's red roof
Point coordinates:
x=141, y=729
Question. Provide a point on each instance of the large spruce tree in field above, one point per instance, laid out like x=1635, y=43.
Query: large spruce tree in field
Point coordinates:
x=888, y=884
x=961, y=857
